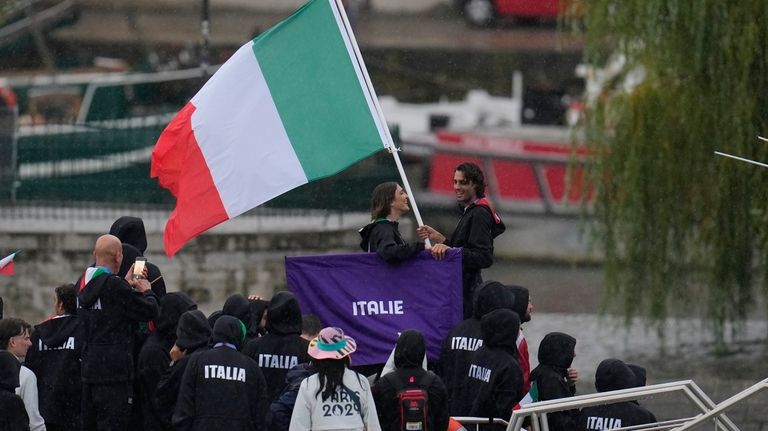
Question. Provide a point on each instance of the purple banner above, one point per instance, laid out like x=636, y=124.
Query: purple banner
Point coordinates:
x=373, y=301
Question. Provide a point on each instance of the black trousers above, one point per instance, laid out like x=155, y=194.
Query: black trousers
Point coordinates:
x=106, y=407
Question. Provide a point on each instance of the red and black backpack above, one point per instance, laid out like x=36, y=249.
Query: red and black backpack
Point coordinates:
x=412, y=402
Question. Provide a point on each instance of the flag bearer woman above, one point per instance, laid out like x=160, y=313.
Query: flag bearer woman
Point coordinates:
x=388, y=203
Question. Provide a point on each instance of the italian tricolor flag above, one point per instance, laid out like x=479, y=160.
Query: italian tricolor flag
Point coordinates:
x=6, y=264
x=291, y=106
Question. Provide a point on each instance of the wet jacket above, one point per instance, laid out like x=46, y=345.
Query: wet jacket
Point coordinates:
x=475, y=231
x=556, y=353
x=494, y=379
x=222, y=389
x=155, y=357
x=192, y=335
x=169, y=387
x=110, y=309
x=130, y=230
x=612, y=375
x=383, y=237
x=466, y=337
x=409, y=355
x=54, y=357
x=282, y=347
x=13, y=415
x=282, y=407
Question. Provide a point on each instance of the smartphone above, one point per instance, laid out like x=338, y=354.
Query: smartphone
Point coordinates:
x=138, y=267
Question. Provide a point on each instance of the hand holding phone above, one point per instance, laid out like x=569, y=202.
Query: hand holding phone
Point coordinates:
x=138, y=267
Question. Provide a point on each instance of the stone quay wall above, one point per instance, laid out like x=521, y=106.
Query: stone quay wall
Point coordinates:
x=243, y=256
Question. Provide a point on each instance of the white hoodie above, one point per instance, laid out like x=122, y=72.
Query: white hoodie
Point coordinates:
x=27, y=390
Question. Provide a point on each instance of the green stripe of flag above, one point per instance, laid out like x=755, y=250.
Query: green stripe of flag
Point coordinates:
x=316, y=91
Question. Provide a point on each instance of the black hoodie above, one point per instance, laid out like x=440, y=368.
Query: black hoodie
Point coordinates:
x=494, y=379
x=130, y=230
x=556, y=353
x=258, y=307
x=222, y=389
x=155, y=358
x=109, y=309
x=613, y=375
x=408, y=373
x=13, y=415
x=54, y=357
x=282, y=347
x=383, y=237
x=237, y=305
x=522, y=297
x=466, y=337
x=193, y=334
x=475, y=231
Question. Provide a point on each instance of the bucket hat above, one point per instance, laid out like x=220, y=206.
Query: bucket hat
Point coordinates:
x=331, y=343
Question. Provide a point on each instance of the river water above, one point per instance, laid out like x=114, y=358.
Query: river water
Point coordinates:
x=566, y=299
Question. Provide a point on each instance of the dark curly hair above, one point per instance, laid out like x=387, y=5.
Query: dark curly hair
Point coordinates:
x=67, y=295
x=473, y=174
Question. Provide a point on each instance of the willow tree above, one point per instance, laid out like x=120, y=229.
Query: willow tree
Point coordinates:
x=682, y=229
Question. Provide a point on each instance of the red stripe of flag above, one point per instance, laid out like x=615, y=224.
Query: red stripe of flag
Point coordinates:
x=180, y=166
x=8, y=269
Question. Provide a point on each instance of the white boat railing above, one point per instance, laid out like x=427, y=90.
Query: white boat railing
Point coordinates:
x=725, y=405
x=537, y=412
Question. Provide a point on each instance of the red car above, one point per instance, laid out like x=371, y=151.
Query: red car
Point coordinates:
x=483, y=12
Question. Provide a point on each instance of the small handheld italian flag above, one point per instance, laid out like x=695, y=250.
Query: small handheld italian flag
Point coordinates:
x=6, y=264
x=531, y=397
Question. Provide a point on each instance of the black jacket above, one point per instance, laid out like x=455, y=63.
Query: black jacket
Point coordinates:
x=54, y=357
x=155, y=357
x=409, y=354
x=13, y=415
x=475, y=231
x=168, y=388
x=282, y=408
x=556, y=353
x=109, y=309
x=383, y=237
x=130, y=230
x=466, y=337
x=612, y=375
x=494, y=379
x=282, y=347
x=222, y=389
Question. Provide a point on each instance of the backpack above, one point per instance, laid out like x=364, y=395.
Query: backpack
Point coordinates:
x=412, y=402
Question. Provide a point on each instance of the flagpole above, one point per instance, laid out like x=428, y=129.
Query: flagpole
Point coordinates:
x=742, y=159
x=205, y=35
x=389, y=143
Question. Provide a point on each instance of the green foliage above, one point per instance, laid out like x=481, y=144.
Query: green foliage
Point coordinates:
x=684, y=231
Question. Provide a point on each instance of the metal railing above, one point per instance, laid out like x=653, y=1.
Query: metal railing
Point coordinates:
x=538, y=411
x=730, y=402
x=468, y=420
x=548, y=204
